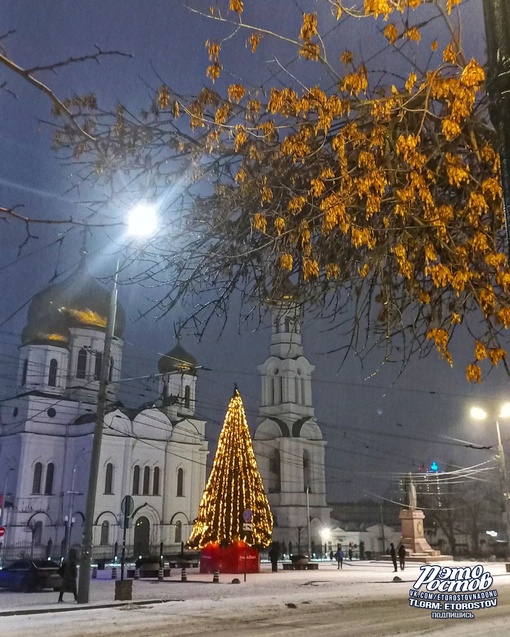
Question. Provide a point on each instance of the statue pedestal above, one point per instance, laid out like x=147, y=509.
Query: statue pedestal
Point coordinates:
x=413, y=539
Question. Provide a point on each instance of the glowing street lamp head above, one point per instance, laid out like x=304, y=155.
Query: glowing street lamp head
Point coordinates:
x=505, y=411
x=143, y=220
x=478, y=413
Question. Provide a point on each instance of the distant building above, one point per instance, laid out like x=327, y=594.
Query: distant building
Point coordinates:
x=156, y=454
x=288, y=441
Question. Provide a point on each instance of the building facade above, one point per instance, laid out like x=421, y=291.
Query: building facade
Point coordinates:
x=288, y=442
x=157, y=455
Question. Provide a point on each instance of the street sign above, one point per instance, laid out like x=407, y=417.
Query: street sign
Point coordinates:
x=127, y=505
x=247, y=515
x=247, y=527
x=2, y=531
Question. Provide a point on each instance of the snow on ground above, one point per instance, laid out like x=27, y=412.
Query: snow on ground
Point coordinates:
x=260, y=596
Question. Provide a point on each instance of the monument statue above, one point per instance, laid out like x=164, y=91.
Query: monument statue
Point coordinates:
x=410, y=492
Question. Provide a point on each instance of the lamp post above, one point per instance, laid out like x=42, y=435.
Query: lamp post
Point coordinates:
x=497, y=29
x=480, y=414
x=142, y=221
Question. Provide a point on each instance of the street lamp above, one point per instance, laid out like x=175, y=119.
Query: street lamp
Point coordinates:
x=480, y=414
x=141, y=222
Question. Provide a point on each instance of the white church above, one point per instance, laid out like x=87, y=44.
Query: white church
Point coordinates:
x=157, y=454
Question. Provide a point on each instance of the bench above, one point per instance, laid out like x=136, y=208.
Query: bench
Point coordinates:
x=311, y=566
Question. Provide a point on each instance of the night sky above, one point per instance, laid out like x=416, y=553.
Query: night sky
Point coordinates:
x=378, y=424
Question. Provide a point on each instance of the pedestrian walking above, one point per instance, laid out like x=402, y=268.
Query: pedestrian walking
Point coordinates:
x=340, y=558
x=68, y=571
x=393, y=554
x=331, y=555
x=350, y=552
x=274, y=554
x=402, y=556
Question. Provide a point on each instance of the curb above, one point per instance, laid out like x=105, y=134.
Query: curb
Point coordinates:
x=63, y=609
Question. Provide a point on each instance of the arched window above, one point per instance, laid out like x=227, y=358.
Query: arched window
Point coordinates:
x=306, y=472
x=36, y=484
x=155, y=481
x=37, y=534
x=275, y=469
x=97, y=365
x=25, y=371
x=287, y=324
x=187, y=396
x=180, y=482
x=146, y=480
x=48, y=484
x=110, y=373
x=303, y=392
x=81, y=365
x=105, y=533
x=178, y=532
x=136, y=480
x=52, y=374
x=108, y=480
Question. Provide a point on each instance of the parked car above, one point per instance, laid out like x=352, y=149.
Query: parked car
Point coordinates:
x=30, y=575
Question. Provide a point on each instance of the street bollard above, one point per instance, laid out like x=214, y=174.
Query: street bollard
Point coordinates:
x=137, y=573
x=184, y=577
x=161, y=574
x=114, y=572
x=216, y=577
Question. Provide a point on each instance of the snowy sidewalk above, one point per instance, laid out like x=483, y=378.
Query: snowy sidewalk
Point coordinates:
x=359, y=578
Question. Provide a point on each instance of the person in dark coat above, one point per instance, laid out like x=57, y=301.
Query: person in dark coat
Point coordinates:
x=68, y=571
x=402, y=556
x=274, y=554
x=393, y=554
x=350, y=552
x=340, y=558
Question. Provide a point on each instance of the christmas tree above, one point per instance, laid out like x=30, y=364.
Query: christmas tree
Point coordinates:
x=234, y=505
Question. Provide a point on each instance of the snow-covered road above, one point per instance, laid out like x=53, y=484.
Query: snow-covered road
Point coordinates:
x=360, y=600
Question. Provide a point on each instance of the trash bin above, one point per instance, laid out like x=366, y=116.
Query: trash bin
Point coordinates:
x=124, y=589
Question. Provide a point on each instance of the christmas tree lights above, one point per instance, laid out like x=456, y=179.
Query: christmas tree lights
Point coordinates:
x=234, y=487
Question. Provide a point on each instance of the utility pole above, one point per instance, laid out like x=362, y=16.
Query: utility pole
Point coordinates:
x=102, y=397
x=497, y=30
x=504, y=488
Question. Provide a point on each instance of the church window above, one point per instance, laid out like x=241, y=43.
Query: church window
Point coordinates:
x=105, y=532
x=51, y=412
x=287, y=324
x=303, y=392
x=52, y=374
x=110, y=373
x=48, y=484
x=187, y=396
x=97, y=366
x=270, y=398
x=146, y=480
x=37, y=533
x=178, y=531
x=306, y=472
x=296, y=390
x=275, y=468
x=25, y=370
x=36, y=483
x=81, y=365
x=180, y=482
x=276, y=325
x=136, y=480
x=155, y=482
x=108, y=481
